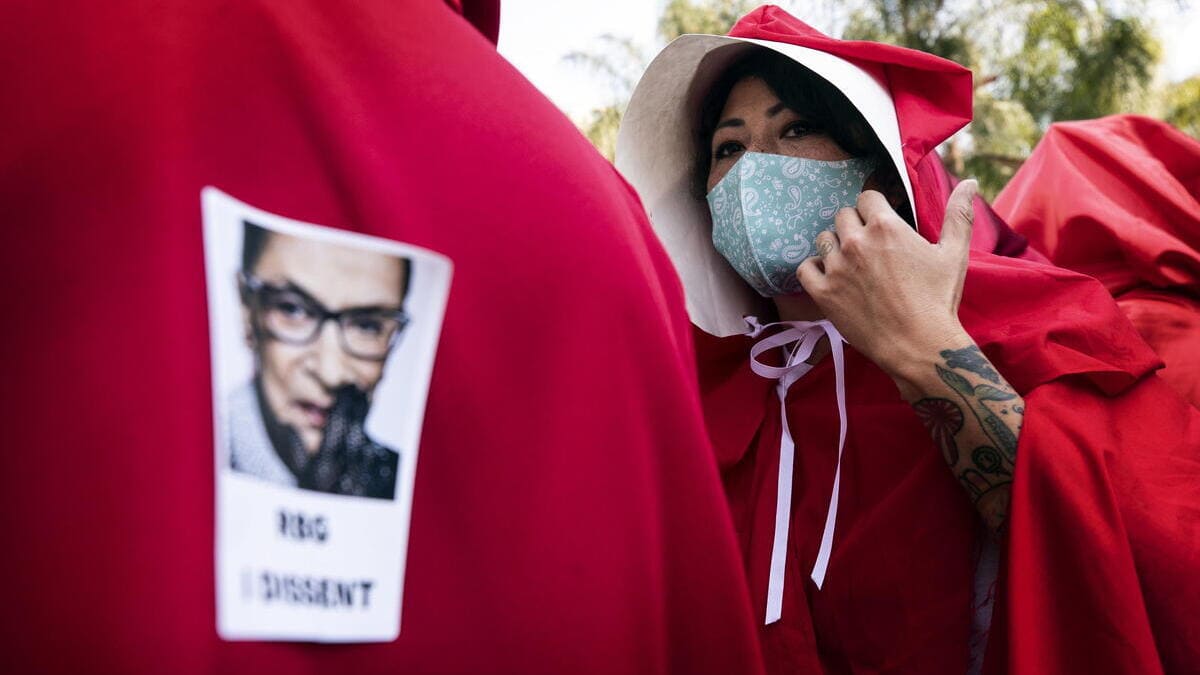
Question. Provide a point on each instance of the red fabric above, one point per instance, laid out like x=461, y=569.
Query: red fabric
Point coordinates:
x=1106, y=505
x=1138, y=231
x=1105, y=534
x=568, y=516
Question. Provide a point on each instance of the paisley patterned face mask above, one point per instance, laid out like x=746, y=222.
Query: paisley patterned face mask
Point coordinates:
x=768, y=210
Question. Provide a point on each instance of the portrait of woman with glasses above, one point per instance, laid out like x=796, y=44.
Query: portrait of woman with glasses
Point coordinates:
x=320, y=320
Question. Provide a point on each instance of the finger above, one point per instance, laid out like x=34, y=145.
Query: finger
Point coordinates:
x=873, y=207
x=960, y=215
x=810, y=275
x=847, y=222
x=826, y=245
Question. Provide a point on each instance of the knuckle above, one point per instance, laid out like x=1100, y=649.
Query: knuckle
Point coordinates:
x=882, y=219
x=851, y=244
x=887, y=224
x=846, y=215
x=867, y=195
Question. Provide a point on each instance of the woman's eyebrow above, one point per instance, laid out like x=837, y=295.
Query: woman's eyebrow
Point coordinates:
x=738, y=122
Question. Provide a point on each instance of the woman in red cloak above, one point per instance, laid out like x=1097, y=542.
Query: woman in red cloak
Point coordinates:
x=861, y=552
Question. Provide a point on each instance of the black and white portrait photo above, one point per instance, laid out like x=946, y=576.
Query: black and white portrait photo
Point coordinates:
x=323, y=345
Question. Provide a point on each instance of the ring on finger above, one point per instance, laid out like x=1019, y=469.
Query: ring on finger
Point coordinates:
x=826, y=241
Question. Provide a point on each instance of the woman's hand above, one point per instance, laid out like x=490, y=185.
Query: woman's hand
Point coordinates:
x=893, y=295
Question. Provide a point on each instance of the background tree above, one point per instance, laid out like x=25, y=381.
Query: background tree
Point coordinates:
x=681, y=17
x=1179, y=104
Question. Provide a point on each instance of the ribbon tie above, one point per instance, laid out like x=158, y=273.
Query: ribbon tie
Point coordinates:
x=804, y=335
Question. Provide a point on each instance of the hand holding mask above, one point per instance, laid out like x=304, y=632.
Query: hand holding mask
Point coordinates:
x=768, y=210
x=893, y=295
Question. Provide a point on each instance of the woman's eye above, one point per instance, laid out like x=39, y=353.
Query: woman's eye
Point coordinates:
x=798, y=129
x=727, y=149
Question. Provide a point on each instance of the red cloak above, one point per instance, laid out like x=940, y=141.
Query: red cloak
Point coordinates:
x=568, y=515
x=1138, y=231
x=1098, y=568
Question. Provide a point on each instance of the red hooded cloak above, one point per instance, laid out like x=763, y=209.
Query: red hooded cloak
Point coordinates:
x=1138, y=232
x=1098, y=568
x=568, y=515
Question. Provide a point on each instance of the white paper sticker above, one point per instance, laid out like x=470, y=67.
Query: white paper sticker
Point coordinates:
x=323, y=343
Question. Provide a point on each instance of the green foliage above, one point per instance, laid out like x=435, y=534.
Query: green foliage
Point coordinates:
x=1002, y=136
x=601, y=129
x=926, y=25
x=1180, y=105
x=712, y=17
x=1075, y=64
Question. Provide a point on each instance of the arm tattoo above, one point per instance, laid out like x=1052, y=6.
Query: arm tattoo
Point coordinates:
x=942, y=419
x=990, y=431
x=974, y=397
x=973, y=360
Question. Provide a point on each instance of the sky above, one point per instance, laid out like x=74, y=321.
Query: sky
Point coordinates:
x=536, y=35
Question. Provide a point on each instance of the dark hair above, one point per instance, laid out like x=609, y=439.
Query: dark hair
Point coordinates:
x=254, y=242
x=823, y=106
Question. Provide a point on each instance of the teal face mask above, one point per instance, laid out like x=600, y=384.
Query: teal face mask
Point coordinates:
x=768, y=210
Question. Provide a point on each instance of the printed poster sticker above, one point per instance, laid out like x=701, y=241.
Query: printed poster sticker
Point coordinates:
x=323, y=342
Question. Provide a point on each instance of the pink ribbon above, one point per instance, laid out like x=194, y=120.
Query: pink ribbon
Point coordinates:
x=804, y=335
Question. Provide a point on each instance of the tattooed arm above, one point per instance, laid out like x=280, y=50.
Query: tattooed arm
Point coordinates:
x=975, y=419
